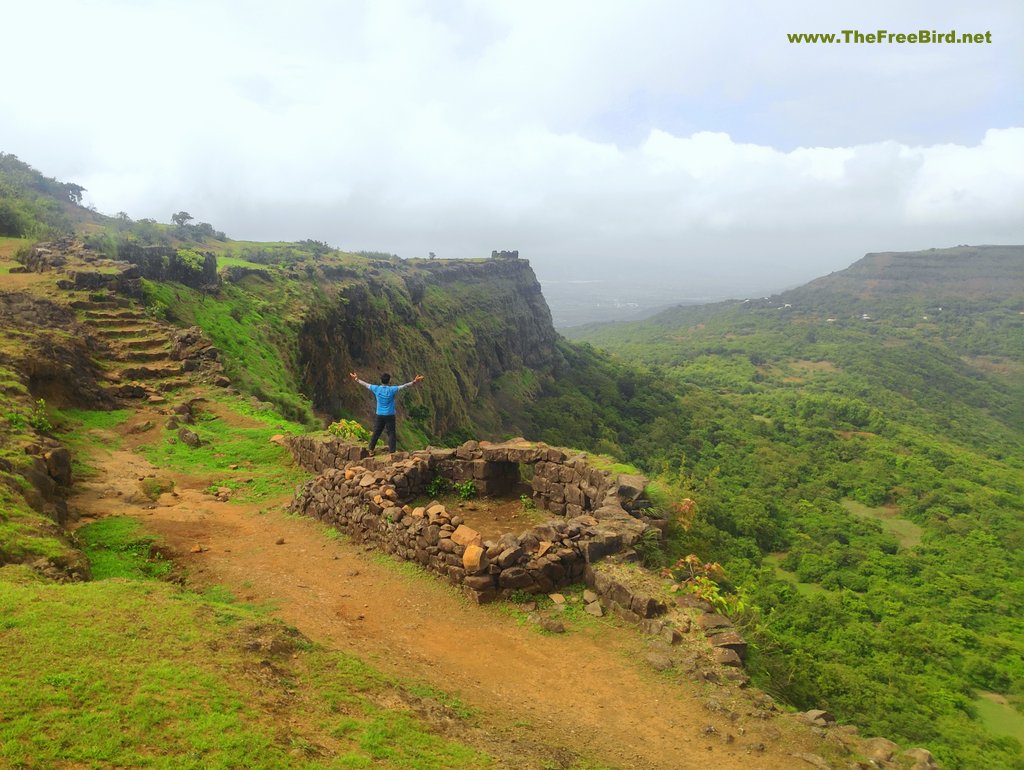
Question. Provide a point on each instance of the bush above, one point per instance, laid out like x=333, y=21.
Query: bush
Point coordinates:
x=349, y=430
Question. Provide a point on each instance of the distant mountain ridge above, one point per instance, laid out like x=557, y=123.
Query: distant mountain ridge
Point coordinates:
x=965, y=272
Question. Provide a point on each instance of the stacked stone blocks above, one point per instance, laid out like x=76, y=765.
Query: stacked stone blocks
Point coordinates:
x=369, y=499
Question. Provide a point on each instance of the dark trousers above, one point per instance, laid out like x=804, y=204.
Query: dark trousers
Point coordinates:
x=384, y=421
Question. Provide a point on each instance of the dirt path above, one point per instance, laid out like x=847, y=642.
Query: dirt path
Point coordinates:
x=583, y=693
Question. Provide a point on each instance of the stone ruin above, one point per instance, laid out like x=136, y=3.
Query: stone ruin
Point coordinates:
x=599, y=513
x=495, y=254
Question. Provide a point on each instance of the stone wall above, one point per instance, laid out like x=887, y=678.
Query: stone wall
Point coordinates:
x=368, y=498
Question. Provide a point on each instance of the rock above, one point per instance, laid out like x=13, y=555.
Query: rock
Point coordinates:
x=880, y=749
x=279, y=541
x=223, y=494
x=922, y=759
x=474, y=558
x=197, y=549
x=509, y=556
x=631, y=486
x=732, y=640
x=58, y=465
x=172, y=423
x=278, y=439
x=190, y=438
x=594, y=608
x=553, y=626
x=141, y=427
x=515, y=577
x=557, y=598
x=671, y=635
x=726, y=657
x=818, y=717
x=660, y=661
x=464, y=535
x=589, y=596
x=710, y=620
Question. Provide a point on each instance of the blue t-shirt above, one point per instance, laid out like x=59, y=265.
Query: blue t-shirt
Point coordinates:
x=385, y=397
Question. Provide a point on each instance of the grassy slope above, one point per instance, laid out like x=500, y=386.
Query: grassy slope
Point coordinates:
x=130, y=671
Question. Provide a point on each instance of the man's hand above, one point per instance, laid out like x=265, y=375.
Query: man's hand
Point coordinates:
x=353, y=375
x=417, y=378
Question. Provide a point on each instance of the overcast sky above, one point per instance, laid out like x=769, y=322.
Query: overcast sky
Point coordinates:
x=672, y=142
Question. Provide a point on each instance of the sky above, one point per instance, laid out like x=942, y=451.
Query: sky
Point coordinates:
x=669, y=143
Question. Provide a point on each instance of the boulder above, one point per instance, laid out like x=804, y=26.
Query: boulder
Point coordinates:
x=190, y=438
x=58, y=465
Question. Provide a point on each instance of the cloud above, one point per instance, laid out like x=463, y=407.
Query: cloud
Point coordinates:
x=691, y=137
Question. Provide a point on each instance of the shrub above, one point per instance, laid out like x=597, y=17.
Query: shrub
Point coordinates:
x=350, y=430
x=437, y=486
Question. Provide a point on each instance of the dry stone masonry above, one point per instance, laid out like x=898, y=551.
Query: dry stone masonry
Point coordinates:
x=368, y=498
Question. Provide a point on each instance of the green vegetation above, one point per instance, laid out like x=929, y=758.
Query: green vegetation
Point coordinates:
x=255, y=331
x=117, y=548
x=135, y=684
x=232, y=434
x=31, y=205
x=466, y=490
x=861, y=483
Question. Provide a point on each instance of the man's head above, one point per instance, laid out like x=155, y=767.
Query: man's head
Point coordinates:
x=385, y=378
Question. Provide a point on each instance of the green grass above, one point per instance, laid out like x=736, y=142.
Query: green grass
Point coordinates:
x=774, y=560
x=25, y=534
x=116, y=548
x=907, y=533
x=265, y=468
x=9, y=247
x=127, y=673
x=1000, y=717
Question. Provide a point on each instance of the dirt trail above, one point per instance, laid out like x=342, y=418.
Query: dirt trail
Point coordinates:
x=553, y=697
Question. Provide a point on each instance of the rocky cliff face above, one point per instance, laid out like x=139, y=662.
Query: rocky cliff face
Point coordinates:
x=480, y=331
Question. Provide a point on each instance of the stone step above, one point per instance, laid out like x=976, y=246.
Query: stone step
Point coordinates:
x=110, y=314
x=144, y=356
x=114, y=323
x=85, y=304
x=144, y=343
x=130, y=331
x=150, y=372
x=128, y=390
x=165, y=386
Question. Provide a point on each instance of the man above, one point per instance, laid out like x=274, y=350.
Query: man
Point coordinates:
x=385, y=393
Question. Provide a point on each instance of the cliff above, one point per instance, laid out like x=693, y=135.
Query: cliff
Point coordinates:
x=480, y=331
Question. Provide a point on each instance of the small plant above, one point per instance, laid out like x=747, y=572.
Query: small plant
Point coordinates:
x=437, y=486
x=38, y=418
x=695, y=577
x=649, y=549
x=528, y=503
x=15, y=419
x=350, y=430
x=466, y=490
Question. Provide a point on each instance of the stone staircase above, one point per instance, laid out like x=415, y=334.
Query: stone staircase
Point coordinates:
x=140, y=361
x=142, y=358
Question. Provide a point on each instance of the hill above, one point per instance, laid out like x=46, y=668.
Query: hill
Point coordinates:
x=856, y=446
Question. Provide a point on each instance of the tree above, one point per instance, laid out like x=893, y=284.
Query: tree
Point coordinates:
x=74, y=192
x=181, y=218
